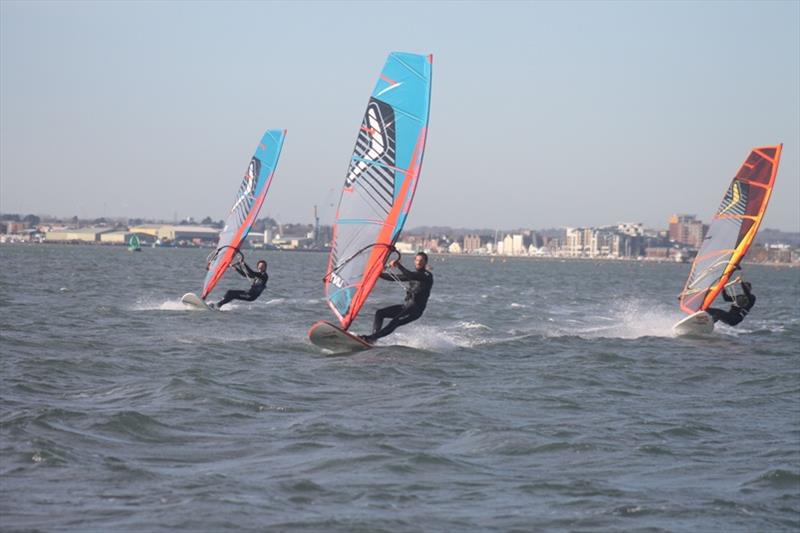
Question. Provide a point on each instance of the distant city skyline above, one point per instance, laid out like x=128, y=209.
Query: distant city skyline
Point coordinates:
x=623, y=241
x=668, y=229
x=543, y=114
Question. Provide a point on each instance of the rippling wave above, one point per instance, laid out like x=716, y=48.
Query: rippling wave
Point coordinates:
x=532, y=395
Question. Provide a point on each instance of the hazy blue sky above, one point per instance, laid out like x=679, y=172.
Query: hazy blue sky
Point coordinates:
x=542, y=114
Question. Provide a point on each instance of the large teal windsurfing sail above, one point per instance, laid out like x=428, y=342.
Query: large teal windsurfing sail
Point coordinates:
x=380, y=182
x=732, y=229
x=249, y=199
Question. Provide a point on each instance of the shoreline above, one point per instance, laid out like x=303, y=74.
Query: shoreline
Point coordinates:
x=642, y=260
x=434, y=255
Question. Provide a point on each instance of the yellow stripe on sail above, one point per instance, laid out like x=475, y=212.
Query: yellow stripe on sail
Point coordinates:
x=736, y=194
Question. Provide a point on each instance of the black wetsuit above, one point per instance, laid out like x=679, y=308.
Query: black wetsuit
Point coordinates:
x=259, y=283
x=417, y=294
x=741, y=306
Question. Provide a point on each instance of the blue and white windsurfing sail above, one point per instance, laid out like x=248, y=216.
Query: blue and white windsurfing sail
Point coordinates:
x=249, y=199
x=380, y=182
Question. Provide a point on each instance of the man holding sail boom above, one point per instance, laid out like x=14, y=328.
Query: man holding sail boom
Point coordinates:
x=742, y=302
x=418, y=291
x=258, y=280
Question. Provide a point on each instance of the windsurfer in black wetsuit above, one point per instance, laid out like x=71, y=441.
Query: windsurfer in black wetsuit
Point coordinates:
x=741, y=305
x=258, y=280
x=418, y=291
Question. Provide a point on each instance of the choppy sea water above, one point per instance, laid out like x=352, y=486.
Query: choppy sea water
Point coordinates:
x=533, y=396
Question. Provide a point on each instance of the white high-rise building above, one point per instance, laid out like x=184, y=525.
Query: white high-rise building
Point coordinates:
x=516, y=245
x=574, y=242
x=508, y=245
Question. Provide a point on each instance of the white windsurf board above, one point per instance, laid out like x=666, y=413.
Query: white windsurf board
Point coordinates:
x=333, y=338
x=192, y=300
x=699, y=323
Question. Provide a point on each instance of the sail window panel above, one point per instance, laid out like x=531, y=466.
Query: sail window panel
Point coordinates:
x=722, y=238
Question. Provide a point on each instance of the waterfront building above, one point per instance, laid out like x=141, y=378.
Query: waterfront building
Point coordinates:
x=591, y=242
x=14, y=227
x=609, y=241
x=472, y=244
x=76, y=235
x=115, y=237
x=508, y=245
x=500, y=248
x=573, y=246
x=619, y=245
x=687, y=230
x=517, y=246
x=177, y=233
x=582, y=242
x=432, y=245
x=404, y=247
x=293, y=242
x=657, y=252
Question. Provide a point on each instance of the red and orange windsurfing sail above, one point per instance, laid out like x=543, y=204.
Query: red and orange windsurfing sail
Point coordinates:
x=732, y=229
